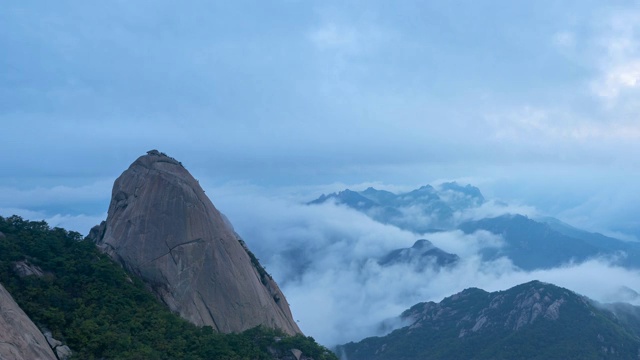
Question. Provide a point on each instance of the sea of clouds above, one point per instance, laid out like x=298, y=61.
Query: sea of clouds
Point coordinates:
x=325, y=259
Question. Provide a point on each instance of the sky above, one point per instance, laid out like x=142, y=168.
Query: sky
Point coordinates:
x=531, y=101
x=534, y=102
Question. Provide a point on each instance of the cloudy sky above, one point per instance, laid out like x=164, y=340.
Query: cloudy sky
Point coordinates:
x=535, y=101
x=271, y=103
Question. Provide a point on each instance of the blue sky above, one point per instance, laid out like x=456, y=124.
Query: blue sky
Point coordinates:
x=535, y=102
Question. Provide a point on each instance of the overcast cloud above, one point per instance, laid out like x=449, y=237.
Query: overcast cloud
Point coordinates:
x=534, y=102
x=325, y=259
x=278, y=92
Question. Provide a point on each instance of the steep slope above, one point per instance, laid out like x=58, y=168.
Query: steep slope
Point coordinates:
x=19, y=337
x=607, y=244
x=530, y=321
x=101, y=311
x=162, y=227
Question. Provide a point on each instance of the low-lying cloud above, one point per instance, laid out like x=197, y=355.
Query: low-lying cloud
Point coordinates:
x=325, y=259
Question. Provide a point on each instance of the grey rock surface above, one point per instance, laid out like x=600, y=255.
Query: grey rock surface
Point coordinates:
x=19, y=337
x=297, y=353
x=61, y=350
x=162, y=227
x=24, y=268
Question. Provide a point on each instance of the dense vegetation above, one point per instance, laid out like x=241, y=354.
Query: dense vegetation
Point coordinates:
x=446, y=330
x=96, y=308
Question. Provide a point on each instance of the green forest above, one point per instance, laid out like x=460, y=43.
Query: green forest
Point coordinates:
x=98, y=310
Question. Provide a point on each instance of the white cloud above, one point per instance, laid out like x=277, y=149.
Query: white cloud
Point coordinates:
x=618, y=55
x=618, y=78
x=605, y=49
x=324, y=258
x=465, y=245
x=550, y=128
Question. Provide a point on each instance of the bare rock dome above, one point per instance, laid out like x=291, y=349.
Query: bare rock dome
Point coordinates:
x=162, y=227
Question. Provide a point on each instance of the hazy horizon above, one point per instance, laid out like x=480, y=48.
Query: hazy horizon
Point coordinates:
x=534, y=103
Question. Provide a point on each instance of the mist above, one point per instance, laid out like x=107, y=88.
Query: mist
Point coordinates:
x=325, y=258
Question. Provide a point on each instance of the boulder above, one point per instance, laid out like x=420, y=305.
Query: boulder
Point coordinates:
x=62, y=351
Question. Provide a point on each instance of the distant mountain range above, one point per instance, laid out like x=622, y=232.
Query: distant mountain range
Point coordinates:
x=529, y=243
x=422, y=210
x=530, y=321
x=532, y=244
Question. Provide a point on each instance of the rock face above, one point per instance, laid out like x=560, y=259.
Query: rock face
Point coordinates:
x=62, y=351
x=19, y=336
x=24, y=268
x=534, y=320
x=162, y=227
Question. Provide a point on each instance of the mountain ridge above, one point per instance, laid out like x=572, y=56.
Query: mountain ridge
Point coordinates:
x=530, y=243
x=436, y=204
x=533, y=320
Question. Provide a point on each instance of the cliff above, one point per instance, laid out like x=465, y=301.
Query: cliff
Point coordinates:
x=162, y=227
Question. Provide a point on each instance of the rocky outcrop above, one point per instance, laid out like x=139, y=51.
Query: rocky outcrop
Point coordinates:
x=25, y=268
x=534, y=320
x=62, y=351
x=162, y=227
x=507, y=310
x=19, y=336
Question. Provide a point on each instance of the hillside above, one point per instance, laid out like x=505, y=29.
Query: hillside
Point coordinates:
x=530, y=321
x=100, y=311
x=532, y=244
